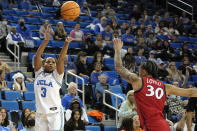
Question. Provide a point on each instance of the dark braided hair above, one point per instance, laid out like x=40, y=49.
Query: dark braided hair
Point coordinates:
x=151, y=68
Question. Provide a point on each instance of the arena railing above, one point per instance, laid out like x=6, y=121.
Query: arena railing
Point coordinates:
x=15, y=54
x=190, y=13
x=110, y=106
x=83, y=84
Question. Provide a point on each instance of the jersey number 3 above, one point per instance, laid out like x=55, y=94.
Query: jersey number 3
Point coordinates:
x=158, y=92
x=44, y=91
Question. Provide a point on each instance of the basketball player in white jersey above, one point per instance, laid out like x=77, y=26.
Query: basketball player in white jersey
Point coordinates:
x=48, y=79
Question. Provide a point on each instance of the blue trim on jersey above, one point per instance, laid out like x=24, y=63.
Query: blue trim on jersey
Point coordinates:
x=56, y=80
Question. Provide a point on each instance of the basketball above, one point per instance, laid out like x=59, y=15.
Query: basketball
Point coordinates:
x=70, y=10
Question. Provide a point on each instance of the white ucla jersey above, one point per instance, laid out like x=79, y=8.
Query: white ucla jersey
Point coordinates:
x=46, y=88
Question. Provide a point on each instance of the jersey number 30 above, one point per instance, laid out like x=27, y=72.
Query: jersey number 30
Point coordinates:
x=158, y=92
x=44, y=91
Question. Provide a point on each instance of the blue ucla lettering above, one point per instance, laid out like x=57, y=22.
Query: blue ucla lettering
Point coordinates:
x=44, y=82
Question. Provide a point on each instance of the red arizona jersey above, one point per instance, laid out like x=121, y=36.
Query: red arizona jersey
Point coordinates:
x=150, y=101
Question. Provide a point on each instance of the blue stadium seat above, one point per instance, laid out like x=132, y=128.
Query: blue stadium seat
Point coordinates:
x=32, y=20
x=110, y=128
x=57, y=43
x=74, y=45
x=12, y=95
x=115, y=89
x=30, y=57
x=113, y=81
x=193, y=39
x=49, y=55
x=33, y=7
x=194, y=77
x=93, y=128
x=16, y=18
x=9, y=12
x=0, y=95
x=48, y=15
x=85, y=18
x=113, y=99
x=89, y=59
x=32, y=27
x=21, y=13
x=48, y=9
x=36, y=14
x=29, y=96
x=30, y=86
x=9, y=84
x=9, y=18
x=176, y=45
x=85, y=31
x=29, y=104
x=109, y=60
x=111, y=66
x=111, y=74
x=183, y=38
x=178, y=64
x=35, y=34
x=195, y=46
x=93, y=13
x=70, y=23
x=92, y=120
x=80, y=81
x=10, y=105
x=68, y=30
x=163, y=37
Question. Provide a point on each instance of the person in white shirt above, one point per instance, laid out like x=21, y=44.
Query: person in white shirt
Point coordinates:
x=48, y=79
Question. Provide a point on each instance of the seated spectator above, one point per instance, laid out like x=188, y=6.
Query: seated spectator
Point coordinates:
x=85, y=9
x=15, y=38
x=168, y=53
x=74, y=123
x=166, y=18
x=186, y=52
x=4, y=31
x=174, y=74
x=186, y=65
x=71, y=67
x=72, y=91
x=98, y=57
x=157, y=47
x=5, y=120
x=76, y=105
x=23, y=123
x=162, y=72
x=153, y=58
x=115, y=27
x=98, y=18
x=128, y=107
x=179, y=25
x=124, y=27
x=25, y=5
x=148, y=30
x=151, y=39
x=99, y=90
x=100, y=43
x=135, y=13
x=128, y=38
x=22, y=29
x=19, y=83
x=171, y=32
x=77, y=34
x=56, y=3
x=144, y=17
x=5, y=67
x=192, y=31
x=141, y=44
x=30, y=120
x=100, y=26
x=89, y=45
x=131, y=123
x=108, y=12
x=83, y=68
x=138, y=35
x=95, y=73
x=107, y=34
x=60, y=33
x=43, y=29
x=2, y=128
x=3, y=85
x=140, y=58
x=160, y=29
x=130, y=63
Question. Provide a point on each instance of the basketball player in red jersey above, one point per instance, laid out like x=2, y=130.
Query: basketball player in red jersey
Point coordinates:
x=150, y=93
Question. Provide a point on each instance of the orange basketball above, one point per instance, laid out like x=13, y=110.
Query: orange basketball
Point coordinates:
x=70, y=10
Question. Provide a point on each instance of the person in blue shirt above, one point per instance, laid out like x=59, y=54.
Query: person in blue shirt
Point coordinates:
x=107, y=34
x=68, y=66
x=99, y=27
x=96, y=72
x=23, y=30
x=72, y=91
x=128, y=38
x=140, y=58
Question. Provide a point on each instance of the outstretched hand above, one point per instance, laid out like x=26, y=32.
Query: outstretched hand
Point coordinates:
x=47, y=33
x=117, y=44
x=68, y=39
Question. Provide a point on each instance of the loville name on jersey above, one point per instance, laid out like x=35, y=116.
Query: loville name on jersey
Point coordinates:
x=151, y=81
x=44, y=82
